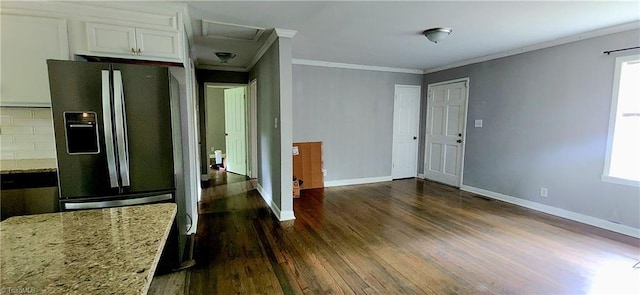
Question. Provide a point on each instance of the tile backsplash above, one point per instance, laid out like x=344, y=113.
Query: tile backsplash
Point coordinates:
x=26, y=138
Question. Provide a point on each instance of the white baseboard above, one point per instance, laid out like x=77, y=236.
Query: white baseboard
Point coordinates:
x=357, y=181
x=597, y=222
x=420, y=175
x=286, y=215
x=282, y=216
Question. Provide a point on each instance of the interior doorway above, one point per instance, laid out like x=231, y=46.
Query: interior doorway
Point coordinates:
x=226, y=127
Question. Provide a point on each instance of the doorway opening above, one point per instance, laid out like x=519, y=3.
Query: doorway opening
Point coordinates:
x=227, y=139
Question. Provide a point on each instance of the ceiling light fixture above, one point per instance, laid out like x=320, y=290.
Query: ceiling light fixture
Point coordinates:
x=225, y=56
x=436, y=35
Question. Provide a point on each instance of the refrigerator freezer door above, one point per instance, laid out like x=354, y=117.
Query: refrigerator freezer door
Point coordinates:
x=148, y=127
x=77, y=87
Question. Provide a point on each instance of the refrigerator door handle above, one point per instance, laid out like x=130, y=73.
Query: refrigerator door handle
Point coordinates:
x=108, y=130
x=121, y=128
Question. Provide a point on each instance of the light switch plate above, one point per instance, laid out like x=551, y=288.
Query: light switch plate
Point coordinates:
x=478, y=124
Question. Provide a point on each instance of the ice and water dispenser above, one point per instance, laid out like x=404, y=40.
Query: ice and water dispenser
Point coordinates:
x=81, y=130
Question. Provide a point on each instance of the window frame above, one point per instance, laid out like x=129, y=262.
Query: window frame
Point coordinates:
x=606, y=177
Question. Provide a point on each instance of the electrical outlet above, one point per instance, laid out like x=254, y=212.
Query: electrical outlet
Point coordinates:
x=544, y=192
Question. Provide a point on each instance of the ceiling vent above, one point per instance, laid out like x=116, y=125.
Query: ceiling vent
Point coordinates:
x=221, y=30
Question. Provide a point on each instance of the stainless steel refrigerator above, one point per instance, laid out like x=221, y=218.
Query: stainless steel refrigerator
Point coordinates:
x=113, y=134
x=114, y=140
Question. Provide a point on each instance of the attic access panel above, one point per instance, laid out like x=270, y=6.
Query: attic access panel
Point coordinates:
x=220, y=30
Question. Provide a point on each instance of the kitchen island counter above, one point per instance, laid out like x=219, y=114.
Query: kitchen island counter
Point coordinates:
x=103, y=251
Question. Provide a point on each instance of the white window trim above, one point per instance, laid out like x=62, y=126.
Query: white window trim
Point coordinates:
x=612, y=124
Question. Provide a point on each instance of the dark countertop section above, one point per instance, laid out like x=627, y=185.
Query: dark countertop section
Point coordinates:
x=20, y=171
x=32, y=178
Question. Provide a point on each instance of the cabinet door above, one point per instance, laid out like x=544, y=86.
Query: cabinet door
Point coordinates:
x=155, y=43
x=27, y=42
x=111, y=39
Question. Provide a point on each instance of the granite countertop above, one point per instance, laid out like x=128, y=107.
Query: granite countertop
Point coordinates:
x=103, y=251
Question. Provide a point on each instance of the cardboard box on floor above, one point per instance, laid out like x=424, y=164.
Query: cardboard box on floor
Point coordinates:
x=307, y=164
x=296, y=188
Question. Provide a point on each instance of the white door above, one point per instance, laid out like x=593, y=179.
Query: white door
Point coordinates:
x=406, y=117
x=446, y=112
x=234, y=120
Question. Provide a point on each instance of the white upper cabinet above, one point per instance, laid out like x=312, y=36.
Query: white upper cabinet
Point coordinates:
x=111, y=39
x=132, y=42
x=33, y=31
x=27, y=42
x=158, y=43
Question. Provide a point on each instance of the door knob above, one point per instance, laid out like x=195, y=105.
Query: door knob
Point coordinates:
x=460, y=134
x=459, y=141
x=415, y=137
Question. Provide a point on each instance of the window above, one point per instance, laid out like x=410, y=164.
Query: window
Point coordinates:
x=622, y=163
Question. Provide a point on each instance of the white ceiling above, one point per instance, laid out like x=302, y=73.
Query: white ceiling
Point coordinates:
x=388, y=34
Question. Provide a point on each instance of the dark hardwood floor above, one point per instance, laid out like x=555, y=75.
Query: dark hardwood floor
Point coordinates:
x=408, y=236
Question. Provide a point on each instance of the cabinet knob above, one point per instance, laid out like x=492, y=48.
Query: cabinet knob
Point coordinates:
x=139, y=51
x=133, y=51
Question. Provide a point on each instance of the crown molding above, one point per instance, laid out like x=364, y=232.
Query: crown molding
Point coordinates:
x=588, y=35
x=284, y=33
x=328, y=64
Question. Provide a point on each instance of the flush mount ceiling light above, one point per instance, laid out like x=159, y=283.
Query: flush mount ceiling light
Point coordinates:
x=436, y=35
x=225, y=56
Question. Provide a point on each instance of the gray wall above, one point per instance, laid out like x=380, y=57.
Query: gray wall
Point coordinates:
x=267, y=73
x=546, y=118
x=351, y=112
x=215, y=119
